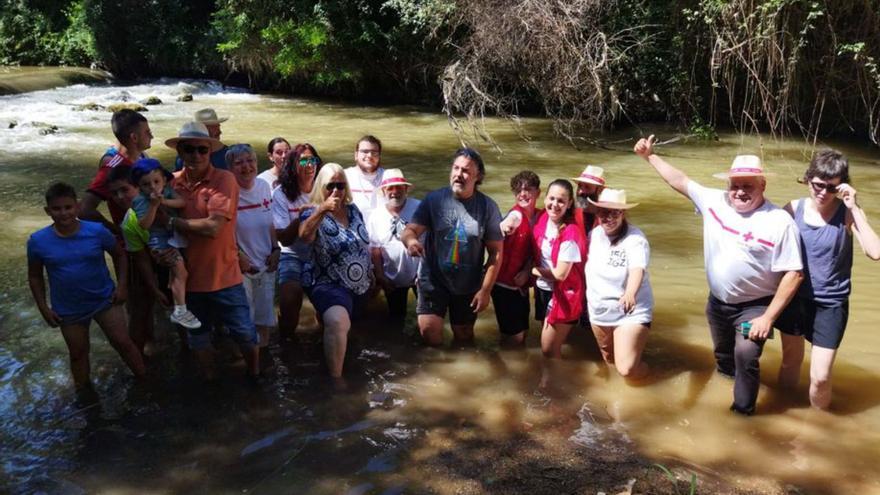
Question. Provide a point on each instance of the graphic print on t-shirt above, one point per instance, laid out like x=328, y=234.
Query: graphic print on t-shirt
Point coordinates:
x=617, y=258
x=457, y=246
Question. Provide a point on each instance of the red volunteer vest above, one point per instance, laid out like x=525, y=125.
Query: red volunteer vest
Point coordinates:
x=568, y=294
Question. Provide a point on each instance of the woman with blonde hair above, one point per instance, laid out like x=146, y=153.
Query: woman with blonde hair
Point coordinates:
x=340, y=270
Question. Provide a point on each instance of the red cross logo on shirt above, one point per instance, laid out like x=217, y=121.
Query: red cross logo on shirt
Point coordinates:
x=748, y=236
x=265, y=203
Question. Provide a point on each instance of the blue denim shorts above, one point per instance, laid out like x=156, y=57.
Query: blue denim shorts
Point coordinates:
x=228, y=306
x=290, y=268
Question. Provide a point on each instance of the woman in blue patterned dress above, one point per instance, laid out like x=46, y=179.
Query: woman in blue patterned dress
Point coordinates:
x=340, y=271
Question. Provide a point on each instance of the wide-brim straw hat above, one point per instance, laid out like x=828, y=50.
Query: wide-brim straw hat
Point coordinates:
x=613, y=199
x=591, y=175
x=191, y=131
x=393, y=177
x=208, y=116
x=744, y=166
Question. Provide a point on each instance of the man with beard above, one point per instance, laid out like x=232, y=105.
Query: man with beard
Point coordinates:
x=753, y=264
x=365, y=176
x=590, y=184
x=462, y=224
x=395, y=269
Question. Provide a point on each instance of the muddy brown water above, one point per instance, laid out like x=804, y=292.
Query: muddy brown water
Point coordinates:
x=411, y=409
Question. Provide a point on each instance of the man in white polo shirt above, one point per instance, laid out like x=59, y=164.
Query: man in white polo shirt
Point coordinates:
x=753, y=264
x=365, y=177
x=395, y=269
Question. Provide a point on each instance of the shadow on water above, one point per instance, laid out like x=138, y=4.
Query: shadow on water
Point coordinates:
x=418, y=420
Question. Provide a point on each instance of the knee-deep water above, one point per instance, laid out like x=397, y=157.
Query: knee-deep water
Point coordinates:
x=416, y=419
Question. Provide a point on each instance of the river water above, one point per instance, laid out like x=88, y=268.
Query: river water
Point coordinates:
x=414, y=418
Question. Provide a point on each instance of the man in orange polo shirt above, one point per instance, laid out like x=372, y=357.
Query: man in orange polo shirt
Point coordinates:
x=214, y=290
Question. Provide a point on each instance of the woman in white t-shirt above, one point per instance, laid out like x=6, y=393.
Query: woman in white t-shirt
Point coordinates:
x=295, y=184
x=560, y=253
x=619, y=294
x=258, y=250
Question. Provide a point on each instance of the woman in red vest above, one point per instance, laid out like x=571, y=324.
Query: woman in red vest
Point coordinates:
x=560, y=253
x=510, y=295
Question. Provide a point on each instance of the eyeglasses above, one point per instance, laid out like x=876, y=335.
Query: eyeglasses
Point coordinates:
x=607, y=213
x=819, y=186
x=370, y=152
x=335, y=185
x=188, y=148
x=308, y=161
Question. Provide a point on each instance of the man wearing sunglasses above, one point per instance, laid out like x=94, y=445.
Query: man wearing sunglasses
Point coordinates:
x=366, y=175
x=753, y=264
x=209, y=118
x=214, y=290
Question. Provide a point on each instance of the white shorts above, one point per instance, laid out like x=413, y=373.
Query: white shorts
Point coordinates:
x=260, y=289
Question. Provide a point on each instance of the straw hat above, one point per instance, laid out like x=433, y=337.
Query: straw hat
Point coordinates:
x=744, y=166
x=208, y=116
x=592, y=175
x=613, y=199
x=393, y=177
x=194, y=130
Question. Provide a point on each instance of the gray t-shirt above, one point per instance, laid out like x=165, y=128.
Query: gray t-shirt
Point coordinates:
x=455, y=243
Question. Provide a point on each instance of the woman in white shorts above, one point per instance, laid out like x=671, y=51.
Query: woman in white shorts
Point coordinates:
x=619, y=294
x=258, y=251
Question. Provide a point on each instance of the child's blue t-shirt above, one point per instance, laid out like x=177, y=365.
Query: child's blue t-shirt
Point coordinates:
x=141, y=204
x=79, y=282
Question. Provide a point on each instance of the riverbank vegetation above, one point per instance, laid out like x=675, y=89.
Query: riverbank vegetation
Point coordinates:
x=778, y=66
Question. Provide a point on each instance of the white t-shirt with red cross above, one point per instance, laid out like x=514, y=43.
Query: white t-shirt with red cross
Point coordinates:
x=285, y=211
x=365, y=191
x=746, y=255
x=568, y=252
x=253, y=229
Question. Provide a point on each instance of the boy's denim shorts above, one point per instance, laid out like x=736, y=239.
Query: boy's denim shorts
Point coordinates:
x=228, y=306
x=290, y=268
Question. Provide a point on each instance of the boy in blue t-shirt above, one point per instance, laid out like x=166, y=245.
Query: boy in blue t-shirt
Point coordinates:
x=156, y=192
x=80, y=287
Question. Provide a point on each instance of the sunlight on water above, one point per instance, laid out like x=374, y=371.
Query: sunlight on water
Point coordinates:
x=412, y=409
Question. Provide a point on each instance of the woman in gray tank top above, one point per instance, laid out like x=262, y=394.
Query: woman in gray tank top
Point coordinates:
x=827, y=220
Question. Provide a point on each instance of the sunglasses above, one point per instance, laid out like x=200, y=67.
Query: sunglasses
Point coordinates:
x=819, y=186
x=608, y=213
x=335, y=186
x=188, y=148
x=309, y=161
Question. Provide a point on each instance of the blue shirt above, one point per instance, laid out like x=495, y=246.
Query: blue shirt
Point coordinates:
x=340, y=255
x=79, y=282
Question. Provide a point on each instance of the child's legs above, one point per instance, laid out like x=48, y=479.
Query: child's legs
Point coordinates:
x=112, y=322
x=177, y=282
x=821, y=362
x=629, y=342
x=76, y=336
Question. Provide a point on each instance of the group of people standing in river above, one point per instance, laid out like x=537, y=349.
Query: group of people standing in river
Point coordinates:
x=222, y=237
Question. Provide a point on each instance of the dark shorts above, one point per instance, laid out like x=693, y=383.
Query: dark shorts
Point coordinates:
x=822, y=324
x=436, y=300
x=227, y=306
x=85, y=318
x=542, y=301
x=325, y=296
x=511, y=309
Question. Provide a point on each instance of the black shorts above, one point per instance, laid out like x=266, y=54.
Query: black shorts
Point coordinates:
x=511, y=309
x=820, y=323
x=542, y=300
x=436, y=300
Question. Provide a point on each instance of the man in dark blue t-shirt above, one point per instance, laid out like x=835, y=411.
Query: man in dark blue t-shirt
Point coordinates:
x=461, y=225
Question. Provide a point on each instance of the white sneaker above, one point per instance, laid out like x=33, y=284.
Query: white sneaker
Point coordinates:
x=186, y=319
